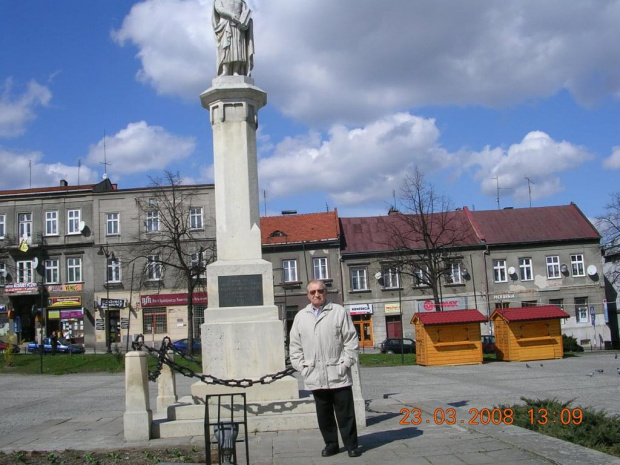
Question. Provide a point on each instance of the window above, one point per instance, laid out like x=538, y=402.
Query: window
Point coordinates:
x=25, y=272
x=289, y=270
x=199, y=319
x=2, y=273
x=557, y=303
x=153, y=268
x=359, y=280
x=581, y=310
x=577, y=265
x=154, y=321
x=73, y=221
x=319, y=267
x=199, y=263
x=112, y=227
x=2, y=226
x=390, y=278
x=499, y=271
x=195, y=218
x=553, y=267
x=152, y=221
x=420, y=274
x=74, y=270
x=51, y=223
x=529, y=303
x=113, y=274
x=52, y=271
x=526, y=272
x=502, y=304
x=453, y=274
x=24, y=222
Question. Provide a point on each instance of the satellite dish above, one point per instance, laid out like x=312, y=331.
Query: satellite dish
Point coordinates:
x=592, y=270
x=82, y=226
x=378, y=275
x=512, y=270
x=35, y=262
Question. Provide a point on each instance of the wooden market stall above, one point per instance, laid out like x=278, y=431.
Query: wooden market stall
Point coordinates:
x=528, y=333
x=448, y=337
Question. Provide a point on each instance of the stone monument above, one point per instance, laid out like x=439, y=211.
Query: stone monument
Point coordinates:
x=242, y=337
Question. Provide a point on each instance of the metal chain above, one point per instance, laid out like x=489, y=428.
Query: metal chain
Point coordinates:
x=162, y=358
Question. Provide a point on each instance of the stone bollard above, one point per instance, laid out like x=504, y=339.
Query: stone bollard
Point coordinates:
x=138, y=415
x=358, y=398
x=166, y=386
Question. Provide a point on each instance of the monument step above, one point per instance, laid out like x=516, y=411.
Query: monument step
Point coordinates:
x=186, y=410
x=195, y=427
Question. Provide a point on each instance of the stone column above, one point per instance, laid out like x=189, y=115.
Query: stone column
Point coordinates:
x=166, y=386
x=138, y=416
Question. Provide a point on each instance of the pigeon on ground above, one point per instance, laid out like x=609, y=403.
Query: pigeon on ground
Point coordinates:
x=600, y=370
x=618, y=370
x=616, y=356
x=591, y=374
x=541, y=364
x=527, y=366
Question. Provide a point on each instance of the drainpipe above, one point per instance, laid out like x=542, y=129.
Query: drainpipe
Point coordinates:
x=486, y=282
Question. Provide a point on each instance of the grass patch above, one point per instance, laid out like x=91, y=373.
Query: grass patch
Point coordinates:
x=64, y=364
x=584, y=426
x=385, y=360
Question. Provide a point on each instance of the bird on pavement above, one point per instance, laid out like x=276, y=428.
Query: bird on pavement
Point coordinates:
x=527, y=366
x=541, y=364
x=600, y=370
x=616, y=356
x=591, y=374
x=618, y=370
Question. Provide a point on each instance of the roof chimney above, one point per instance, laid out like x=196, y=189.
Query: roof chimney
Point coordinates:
x=64, y=183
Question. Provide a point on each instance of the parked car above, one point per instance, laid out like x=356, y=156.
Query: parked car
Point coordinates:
x=5, y=345
x=181, y=345
x=393, y=346
x=488, y=344
x=63, y=347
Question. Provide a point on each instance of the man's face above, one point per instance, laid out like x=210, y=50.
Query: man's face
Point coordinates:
x=316, y=294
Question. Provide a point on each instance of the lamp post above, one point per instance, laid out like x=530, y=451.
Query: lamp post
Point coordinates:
x=105, y=251
x=381, y=280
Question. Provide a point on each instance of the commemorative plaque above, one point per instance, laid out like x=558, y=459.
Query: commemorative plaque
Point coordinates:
x=240, y=290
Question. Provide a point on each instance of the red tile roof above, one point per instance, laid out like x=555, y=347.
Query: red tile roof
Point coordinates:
x=527, y=225
x=374, y=234
x=544, y=312
x=449, y=317
x=312, y=227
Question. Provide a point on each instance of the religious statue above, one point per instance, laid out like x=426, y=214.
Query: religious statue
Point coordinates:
x=232, y=23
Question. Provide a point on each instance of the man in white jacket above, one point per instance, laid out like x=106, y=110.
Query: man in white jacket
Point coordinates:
x=323, y=347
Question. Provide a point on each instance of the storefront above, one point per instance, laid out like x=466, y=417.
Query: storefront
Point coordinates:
x=26, y=301
x=65, y=313
x=361, y=314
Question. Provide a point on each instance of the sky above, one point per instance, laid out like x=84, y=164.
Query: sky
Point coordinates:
x=518, y=98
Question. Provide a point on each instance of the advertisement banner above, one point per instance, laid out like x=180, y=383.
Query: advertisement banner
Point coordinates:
x=65, y=288
x=65, y=301
x=112, y=303
x=21, y=288
x=164, y=300
x=360, y=309
x=68, y=314
x=453, y=303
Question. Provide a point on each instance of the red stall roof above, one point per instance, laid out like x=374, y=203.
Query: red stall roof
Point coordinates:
x=449, y=317
x=543, y=312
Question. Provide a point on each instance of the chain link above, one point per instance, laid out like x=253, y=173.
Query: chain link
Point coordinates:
x=163, y=358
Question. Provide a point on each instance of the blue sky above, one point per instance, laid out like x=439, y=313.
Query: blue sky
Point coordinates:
x=360, y=92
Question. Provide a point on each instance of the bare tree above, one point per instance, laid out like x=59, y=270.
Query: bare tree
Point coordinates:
x=175, y=245
x=608, y=226
x=427, y=235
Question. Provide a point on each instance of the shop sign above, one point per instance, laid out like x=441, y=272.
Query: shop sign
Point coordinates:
x=65, y=288
x=393, y=308
x=504, y=296
x=2, y=308
x=360, y=309
x=53, y=314
x=163, y=300
x=455, y=303
x=65, y=301
x=21, y=288
x=124, y=323
x=67, y=314
x=99, y=325
x=112, y=303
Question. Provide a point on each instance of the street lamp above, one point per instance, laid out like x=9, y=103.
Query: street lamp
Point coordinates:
x=104, y=251
x=379, y=277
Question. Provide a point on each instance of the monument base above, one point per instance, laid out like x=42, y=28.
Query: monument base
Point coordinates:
x=284, y=389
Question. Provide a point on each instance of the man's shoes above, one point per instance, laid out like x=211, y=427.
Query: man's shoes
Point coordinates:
x=329, y=451
x=354, y=452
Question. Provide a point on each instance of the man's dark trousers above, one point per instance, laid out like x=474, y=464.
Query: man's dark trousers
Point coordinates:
x=340, y=402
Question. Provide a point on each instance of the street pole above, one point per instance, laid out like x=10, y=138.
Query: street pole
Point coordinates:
x=402, y=331
x=106, y=315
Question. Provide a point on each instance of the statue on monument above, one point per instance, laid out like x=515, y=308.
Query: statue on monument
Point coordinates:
x=232, y=24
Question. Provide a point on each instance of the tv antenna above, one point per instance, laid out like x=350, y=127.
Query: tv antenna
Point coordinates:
x=529, y=189
x=498, y=189
x=105, y=162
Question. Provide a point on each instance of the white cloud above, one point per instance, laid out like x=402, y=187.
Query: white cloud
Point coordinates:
x=355, y=165
x=348, y=61
x=537, y=157
x=16, y=111
x=613, y=161
x=18, y=166
x=139, y=148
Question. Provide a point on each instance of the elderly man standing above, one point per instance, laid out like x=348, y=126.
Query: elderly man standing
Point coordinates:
x=323, y=347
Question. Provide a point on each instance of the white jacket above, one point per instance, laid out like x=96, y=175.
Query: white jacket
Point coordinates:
x=323, y=349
